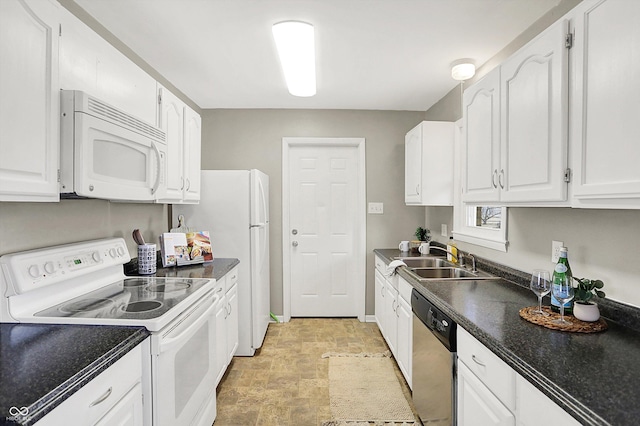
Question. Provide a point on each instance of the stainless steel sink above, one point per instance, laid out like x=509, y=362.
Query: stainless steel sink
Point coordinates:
x=427, y=262
x=424, y=274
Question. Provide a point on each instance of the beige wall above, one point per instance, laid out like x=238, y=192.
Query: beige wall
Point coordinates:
x=602, y=243
x=25, y=226
x=243, y=139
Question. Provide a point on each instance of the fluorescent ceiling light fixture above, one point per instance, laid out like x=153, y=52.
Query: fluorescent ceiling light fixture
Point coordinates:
x=296, y=48
x=463, y=69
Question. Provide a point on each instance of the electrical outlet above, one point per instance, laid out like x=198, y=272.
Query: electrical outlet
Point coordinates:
x=443, y=230
x=555, y=250
x=376, y=208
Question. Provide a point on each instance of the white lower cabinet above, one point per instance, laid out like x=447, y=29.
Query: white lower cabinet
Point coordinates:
x=226, y=321
x=477, y=405
x=112, y=398
x=492, y=393
x=394, y=316
x=404, y=314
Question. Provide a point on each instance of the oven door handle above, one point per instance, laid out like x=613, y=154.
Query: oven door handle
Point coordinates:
x=200, y=318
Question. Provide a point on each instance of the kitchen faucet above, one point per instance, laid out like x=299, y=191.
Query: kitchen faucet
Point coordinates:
x=473, y=262
x=455, y=257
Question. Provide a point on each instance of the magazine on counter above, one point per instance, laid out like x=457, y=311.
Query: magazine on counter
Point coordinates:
x=173, y=248
x=199, y=246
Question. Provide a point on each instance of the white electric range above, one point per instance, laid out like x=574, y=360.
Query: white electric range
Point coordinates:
x=84, y=283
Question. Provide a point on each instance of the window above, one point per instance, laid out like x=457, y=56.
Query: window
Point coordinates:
x=482, y=225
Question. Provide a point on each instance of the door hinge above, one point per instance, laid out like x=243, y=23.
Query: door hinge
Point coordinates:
x=567, y=175
x=60, y=30
x=568, y=40
x=160, y=98
x=58, y=175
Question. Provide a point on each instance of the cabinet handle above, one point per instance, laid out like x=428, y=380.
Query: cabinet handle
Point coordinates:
x=500, y=178
x=106, y=395
x=418, y=189
x=473, y=357
x=181, y=183
x=493, y=178
x=188, y=184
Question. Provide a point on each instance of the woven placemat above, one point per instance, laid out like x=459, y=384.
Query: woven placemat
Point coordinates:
x=576, y=326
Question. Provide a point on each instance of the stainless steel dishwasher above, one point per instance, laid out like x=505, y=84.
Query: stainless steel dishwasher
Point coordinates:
x=434, y=363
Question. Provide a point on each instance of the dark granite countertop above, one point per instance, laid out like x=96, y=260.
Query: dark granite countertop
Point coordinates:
x=594, y=377
x=41, y=365
x=216, y=269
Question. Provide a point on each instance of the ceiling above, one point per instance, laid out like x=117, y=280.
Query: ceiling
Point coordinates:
x=371, y=54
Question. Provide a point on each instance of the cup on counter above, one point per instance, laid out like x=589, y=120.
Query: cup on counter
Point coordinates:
x=147, y=259
x=403, y=246
x=424, y=247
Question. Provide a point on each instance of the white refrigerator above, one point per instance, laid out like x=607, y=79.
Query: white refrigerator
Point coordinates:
x=234, y=208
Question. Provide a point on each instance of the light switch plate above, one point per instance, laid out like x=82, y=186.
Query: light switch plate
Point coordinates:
x=443, y=230
x=376, y=208
x=555, y=250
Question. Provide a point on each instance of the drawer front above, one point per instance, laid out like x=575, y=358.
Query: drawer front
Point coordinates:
x=491, y=370
x=404, y=289
x=231, y=278
x=380, y=265
x=97, y=397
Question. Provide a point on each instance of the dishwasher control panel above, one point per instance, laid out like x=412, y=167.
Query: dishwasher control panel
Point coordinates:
x=441, y=325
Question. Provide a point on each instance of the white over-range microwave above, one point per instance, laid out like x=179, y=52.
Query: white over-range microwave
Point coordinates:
x=107, y=153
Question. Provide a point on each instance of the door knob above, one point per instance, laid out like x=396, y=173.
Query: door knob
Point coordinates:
x=295, y=244
x=294, y=231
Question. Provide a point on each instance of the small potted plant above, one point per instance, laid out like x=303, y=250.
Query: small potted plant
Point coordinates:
x=586, y=289
x=422, y=234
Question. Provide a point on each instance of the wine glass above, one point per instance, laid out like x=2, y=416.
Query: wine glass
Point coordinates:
x=541, y=286
x=562, y=289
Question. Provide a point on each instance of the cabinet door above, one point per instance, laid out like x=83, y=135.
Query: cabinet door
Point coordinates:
x=232, y=321
x=481, y=144
x=391, y=320
x=605, y=105
x=413, y=165
x=405, y=339
x=30, y=101
x=171, y=121
x=477, y=406
x=380, y=301
x=90, y=63
x=534, y=89
x=192, y=143
x=221, y=339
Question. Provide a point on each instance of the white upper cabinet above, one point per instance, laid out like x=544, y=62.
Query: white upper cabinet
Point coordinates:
x=30, y=100
x=515, y=118
x=605, y=129
x=428, y=178
x=534, y=89
x=181, y=171
x=481, y=147
x=91, y=64
x=171, y=120
x=192, y=149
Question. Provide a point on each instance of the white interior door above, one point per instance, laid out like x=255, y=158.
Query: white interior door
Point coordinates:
x=323, y=239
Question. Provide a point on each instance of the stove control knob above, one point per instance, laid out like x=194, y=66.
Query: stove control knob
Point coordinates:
x=112, y=252
x=49, y=267
x=120, y=251
x=34, y=271
x=96, y=256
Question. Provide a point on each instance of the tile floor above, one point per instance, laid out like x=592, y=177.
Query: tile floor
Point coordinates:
x=286, y=382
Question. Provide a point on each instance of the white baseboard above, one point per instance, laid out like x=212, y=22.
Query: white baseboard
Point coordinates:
x=370, y=318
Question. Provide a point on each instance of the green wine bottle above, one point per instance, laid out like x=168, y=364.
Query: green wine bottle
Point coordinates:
x=562, y=270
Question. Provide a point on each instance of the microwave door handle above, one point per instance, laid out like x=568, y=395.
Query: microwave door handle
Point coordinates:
x=156, y=184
